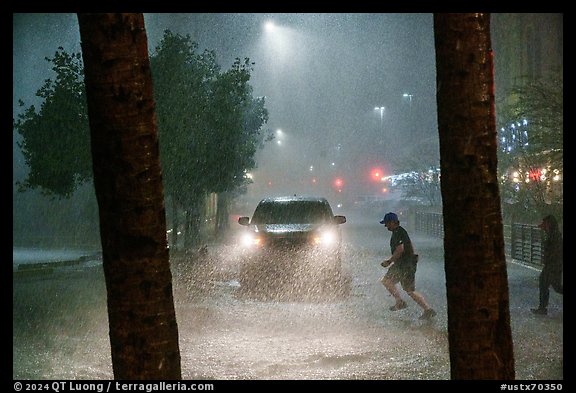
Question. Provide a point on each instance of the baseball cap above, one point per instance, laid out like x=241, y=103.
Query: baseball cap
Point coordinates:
x=389, y=217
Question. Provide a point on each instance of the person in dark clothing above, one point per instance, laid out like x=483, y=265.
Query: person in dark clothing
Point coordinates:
x=403, y=269
x=553, y=261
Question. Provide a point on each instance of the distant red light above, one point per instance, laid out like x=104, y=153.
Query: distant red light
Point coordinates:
x=535, y=174
x=376, y=174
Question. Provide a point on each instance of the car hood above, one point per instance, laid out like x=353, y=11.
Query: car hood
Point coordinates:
x=286, y=228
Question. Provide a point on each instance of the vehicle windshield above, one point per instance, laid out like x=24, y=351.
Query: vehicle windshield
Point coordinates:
x=292, y=212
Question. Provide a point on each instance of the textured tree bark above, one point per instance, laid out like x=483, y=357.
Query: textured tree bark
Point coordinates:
x=480, y=337
x=128, y=182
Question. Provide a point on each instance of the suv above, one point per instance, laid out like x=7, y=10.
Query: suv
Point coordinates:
x=292, y=246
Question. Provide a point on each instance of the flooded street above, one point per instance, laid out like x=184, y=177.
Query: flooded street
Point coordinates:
x=145, y=127
x=60, y=326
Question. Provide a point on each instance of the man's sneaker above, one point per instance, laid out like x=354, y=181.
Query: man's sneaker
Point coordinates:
x=427, y=314
x=399, y=306
x=539, y=311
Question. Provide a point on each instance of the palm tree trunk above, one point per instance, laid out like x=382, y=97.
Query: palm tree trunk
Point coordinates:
x=128, y=182
x=479, y=330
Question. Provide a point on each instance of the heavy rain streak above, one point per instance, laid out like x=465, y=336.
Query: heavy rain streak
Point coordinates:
x=274, y=195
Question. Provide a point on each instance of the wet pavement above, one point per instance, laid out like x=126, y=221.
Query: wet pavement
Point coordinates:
x=60, y=326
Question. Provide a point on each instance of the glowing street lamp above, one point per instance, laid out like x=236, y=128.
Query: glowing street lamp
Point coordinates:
x=381, y=110
x=269, y=26
x=281, y=136
x=409, y=96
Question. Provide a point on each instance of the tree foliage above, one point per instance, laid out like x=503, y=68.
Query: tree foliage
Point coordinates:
x=532, y=169
x=55, y=139
x=541, y=102
x=422, y=162
x=209, y=123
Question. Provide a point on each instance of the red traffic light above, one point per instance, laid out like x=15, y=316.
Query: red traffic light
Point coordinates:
x=376, y=174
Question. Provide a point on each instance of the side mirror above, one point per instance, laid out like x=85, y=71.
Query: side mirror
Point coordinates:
x=339, y=219
x=244, y=220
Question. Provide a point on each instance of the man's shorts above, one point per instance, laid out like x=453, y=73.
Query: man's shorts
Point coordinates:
x=404, y=273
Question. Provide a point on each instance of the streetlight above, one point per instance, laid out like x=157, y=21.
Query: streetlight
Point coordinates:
x=409, y=96
x=381, y=110
x=269, y=26
x=410, y=121
x=280, y=134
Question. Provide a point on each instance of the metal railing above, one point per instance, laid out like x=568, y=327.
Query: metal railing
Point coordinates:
x=523, y=242
x=429, y=223
x=526, y=243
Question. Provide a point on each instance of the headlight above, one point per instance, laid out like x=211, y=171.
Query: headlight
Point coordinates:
x=250, y=240
x=325, y=238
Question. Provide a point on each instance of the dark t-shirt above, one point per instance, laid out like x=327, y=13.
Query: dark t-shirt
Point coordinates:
x=400, y=236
